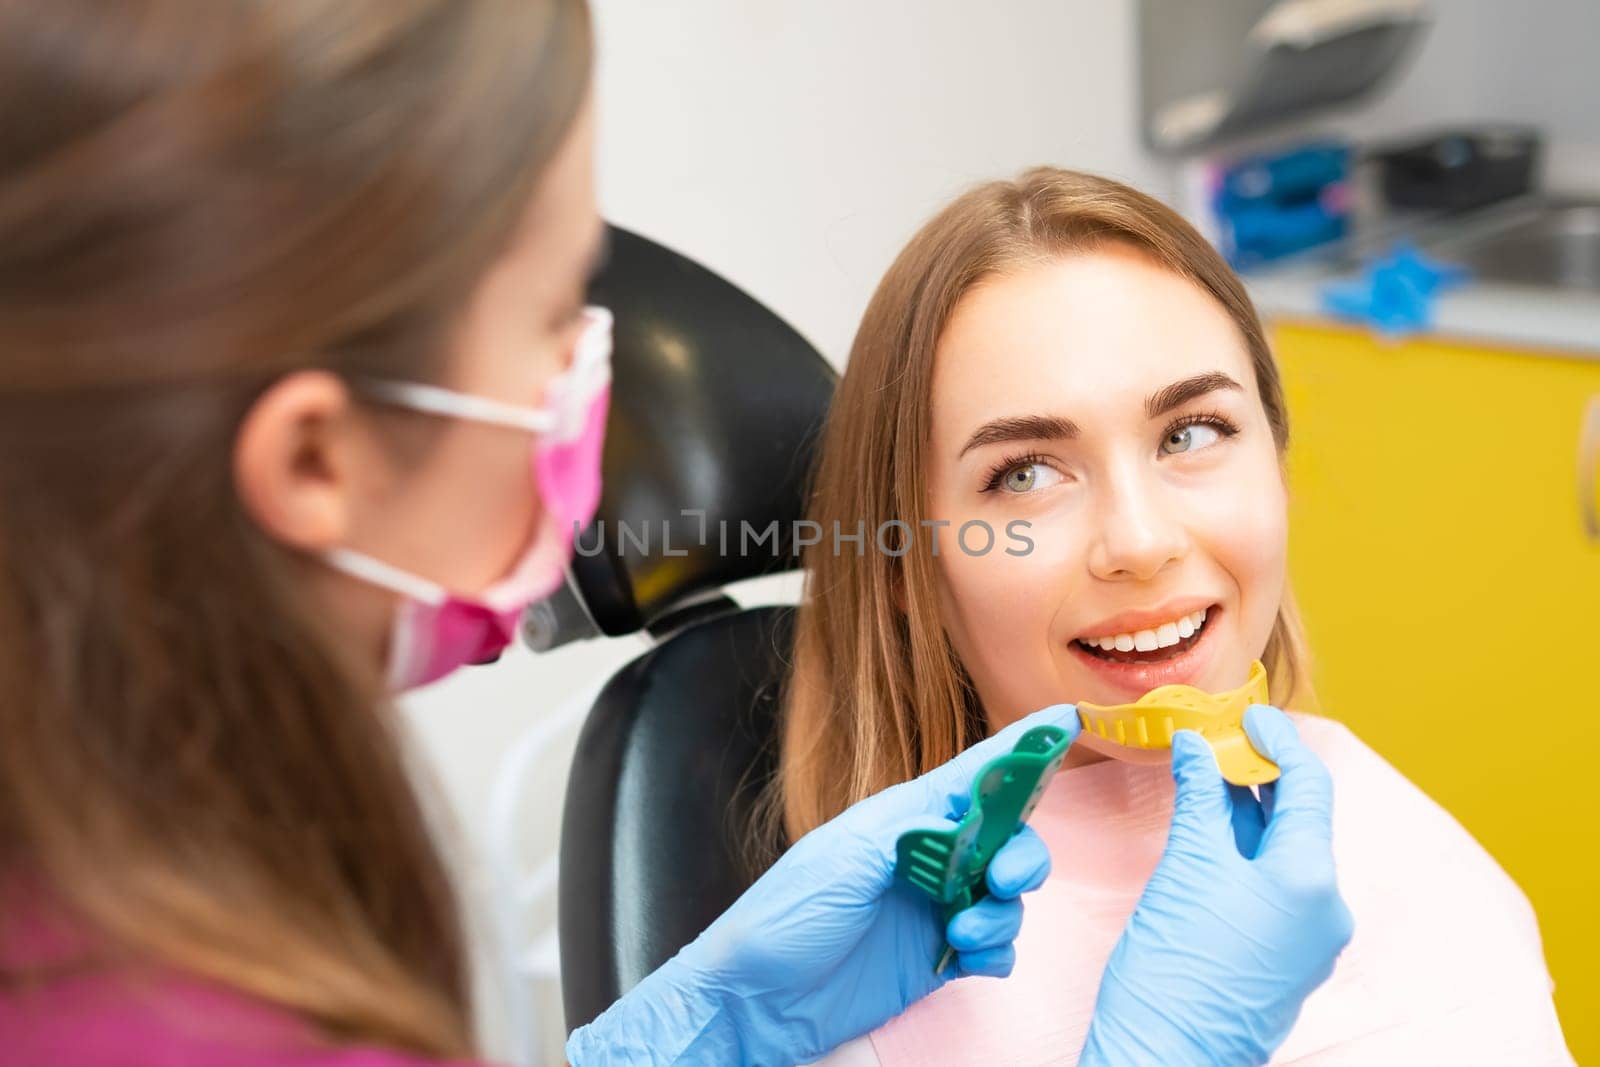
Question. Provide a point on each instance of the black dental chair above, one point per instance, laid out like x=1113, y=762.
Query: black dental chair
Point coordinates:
x=716, y=408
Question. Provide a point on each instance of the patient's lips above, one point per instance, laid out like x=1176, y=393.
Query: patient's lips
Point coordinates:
x=1135, y=652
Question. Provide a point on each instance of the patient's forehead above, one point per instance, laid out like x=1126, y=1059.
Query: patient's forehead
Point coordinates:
x=1088, y=335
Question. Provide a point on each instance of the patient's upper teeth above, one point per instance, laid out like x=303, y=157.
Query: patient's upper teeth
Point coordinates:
x=1164, y=636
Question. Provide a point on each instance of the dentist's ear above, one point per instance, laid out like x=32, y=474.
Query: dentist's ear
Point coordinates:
x=293, y=460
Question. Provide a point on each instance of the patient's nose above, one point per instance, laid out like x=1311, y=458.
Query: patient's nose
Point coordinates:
x=1137, y=531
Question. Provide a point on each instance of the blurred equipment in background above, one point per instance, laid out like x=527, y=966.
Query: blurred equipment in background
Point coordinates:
x=1269, y=206
x=1455, y=170
x=1215, y=69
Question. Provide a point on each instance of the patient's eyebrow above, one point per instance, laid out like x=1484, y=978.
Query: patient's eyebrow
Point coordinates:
x=1021, y=428
x=1164, y=400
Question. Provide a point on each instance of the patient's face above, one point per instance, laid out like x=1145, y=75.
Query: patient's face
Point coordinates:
x=1110, y=405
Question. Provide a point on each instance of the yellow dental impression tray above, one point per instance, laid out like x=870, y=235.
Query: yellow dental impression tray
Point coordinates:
x=1151, y=721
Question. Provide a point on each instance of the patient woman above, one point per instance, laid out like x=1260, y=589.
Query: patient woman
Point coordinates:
x=1062, y=383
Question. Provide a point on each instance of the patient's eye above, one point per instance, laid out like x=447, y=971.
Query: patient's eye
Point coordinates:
x=1193, y=434
x=1189, y=438
x=1023, y=476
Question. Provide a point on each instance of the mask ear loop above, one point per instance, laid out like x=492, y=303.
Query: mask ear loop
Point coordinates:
x=568, y=393
x=434, y=400
x=378, y=573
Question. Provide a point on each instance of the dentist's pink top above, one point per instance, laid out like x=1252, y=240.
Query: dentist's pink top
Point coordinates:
x=84, y=1017
x=1445, y=965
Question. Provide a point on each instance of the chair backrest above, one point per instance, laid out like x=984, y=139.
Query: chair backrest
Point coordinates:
x=656, y=823
x=716, y=407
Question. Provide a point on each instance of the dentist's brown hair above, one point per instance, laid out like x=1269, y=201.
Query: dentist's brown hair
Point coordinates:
x=877, y=694
x=198, y=197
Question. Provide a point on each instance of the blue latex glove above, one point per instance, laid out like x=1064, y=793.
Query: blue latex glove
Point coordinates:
x=1396, y=292
x=827, y=944
x=1241, y=920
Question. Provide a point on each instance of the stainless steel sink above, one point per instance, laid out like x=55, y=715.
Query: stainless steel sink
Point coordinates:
x=1552, y=243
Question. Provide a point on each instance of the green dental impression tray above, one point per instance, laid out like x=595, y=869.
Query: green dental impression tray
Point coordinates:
x=950, y=865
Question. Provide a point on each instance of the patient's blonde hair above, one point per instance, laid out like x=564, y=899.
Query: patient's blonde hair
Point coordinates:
x=877, y=694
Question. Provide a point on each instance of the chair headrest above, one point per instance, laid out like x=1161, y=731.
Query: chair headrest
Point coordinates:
x=716, y=406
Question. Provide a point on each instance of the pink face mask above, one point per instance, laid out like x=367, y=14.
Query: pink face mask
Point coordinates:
x=436, y=631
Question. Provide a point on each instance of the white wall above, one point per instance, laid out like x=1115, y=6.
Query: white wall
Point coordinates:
x=794, y=146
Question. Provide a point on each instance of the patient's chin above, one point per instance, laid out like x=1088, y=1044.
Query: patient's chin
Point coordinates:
x=1112, y=750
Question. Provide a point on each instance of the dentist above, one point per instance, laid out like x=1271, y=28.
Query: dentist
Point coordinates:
x=299, y=403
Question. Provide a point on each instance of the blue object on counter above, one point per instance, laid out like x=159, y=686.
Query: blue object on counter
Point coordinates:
x=1396, y=292
x=1256, y=235
x=1297, y=175
x=1270, y=206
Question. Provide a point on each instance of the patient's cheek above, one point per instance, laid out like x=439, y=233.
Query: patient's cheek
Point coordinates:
x=997, y=613
x=1260, y=569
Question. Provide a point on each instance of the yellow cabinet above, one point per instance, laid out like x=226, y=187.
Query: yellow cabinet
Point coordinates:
x=1440, y=554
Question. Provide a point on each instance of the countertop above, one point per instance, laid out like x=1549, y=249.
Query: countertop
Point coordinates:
x=1490, y=313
